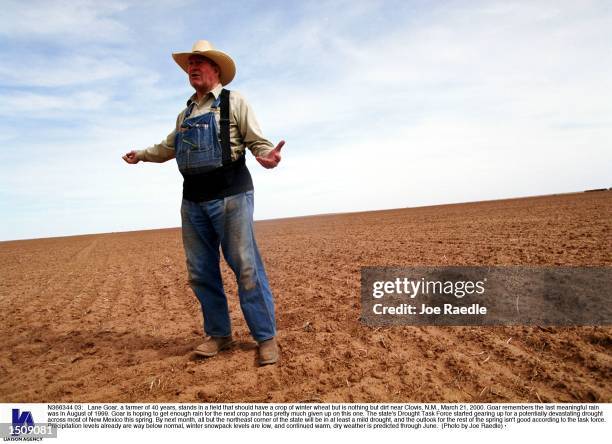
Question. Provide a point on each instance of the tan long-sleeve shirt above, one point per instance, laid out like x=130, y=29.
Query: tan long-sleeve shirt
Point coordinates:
x=244, y=129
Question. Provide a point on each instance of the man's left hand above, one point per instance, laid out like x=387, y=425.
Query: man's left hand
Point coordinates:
x=272, y=158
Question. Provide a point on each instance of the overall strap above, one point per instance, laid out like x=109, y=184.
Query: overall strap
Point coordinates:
x=188, y=112
x=225, y=127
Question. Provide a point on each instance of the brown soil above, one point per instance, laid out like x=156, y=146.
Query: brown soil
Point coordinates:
x=110, y=317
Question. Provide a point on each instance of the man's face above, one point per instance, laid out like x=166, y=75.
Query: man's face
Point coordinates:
x=203, y=73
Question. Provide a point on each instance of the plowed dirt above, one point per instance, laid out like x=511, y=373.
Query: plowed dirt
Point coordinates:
x=111, y=318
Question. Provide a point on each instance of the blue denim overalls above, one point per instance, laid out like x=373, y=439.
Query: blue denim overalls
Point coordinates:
x=227, y=223
x=197, y=142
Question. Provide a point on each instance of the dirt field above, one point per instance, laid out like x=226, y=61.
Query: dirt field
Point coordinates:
x=110, y=317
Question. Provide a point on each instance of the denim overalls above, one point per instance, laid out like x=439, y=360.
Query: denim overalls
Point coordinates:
x=197, y=142
x=227, y=223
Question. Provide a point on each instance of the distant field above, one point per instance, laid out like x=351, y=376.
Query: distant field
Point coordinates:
x=110, y=317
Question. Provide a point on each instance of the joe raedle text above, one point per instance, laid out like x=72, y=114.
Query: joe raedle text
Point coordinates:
x=388, y=295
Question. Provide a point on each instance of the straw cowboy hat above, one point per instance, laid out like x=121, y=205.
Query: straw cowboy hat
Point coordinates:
x=206, y=49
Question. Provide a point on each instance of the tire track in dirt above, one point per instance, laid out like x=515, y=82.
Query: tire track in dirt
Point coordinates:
x=57, y=335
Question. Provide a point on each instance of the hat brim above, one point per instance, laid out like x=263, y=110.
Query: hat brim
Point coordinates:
x=225, y=62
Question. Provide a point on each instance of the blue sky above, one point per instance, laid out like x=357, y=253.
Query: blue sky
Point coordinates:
x=383, y=104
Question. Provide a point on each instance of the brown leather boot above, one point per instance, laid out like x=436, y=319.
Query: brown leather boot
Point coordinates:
x=213, y=345
x=268, y=352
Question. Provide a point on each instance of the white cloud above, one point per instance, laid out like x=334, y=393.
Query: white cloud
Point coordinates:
x=41, y=70
x=40, y=105
x=504, y=61
x=82, y=20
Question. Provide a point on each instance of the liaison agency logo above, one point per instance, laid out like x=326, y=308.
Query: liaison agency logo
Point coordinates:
x=23, y=426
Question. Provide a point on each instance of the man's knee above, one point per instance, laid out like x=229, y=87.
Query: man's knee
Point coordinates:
x=194, y=277
x=247, y=279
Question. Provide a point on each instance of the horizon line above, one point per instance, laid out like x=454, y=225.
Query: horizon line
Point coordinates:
x=324, y=214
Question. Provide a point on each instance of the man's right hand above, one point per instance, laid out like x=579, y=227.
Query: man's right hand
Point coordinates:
x=131, y=157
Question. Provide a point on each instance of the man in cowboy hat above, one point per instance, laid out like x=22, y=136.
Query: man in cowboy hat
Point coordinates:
x=209, y=143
